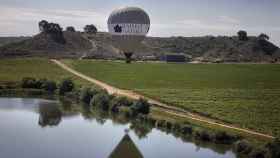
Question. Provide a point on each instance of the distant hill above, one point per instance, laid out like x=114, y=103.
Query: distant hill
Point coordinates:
x=43, y=45
x=100, y=45
x=7, y=40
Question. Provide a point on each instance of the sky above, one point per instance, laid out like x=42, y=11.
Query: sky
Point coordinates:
x=168, y=17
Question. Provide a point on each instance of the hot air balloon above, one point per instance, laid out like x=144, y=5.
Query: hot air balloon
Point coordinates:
x=128, y=27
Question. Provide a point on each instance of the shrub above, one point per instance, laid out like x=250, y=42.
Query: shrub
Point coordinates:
x=243, y=147
x=151, y=121
x=203, y=135
x=67, y=85
x=40, y=82
x=49, y=86
x=28, y=82
x=224, y=138
x=242, y=35
x=141, y=106
x=259, y=153
x=274, y=148
x=168, y=125
x=70, y=29
x=187, y=129
x=160, y=123
x=117, y=102
x=101, y=100
x=90, y=29
x=126, y=111
x=87, y=94
x=177, y=127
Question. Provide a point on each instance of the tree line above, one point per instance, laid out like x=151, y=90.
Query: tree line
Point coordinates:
x=55, y=28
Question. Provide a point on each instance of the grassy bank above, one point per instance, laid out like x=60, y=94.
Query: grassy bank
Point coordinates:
x=247, y=95
x=13, y=70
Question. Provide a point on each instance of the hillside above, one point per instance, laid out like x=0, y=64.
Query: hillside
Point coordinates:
x=100, y=45
x=7, y=40
x=44, y=45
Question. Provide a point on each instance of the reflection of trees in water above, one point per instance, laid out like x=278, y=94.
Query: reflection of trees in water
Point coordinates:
x=99, y=115
x=69, y=108
x=50, y=115
x=218, y=148
x=119, y=118
x=140, y=129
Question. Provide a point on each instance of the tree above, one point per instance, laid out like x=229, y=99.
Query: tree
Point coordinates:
x=263, y=36
x=242, y=35
x=70, y=29
x=87, y=94
x=90, y=29
x=29, y=82
x=67, y=85
x=43, y=25
x=52, y=29
x=101, y=100
x=49, y=86
x=274, y=148
x=141, y=106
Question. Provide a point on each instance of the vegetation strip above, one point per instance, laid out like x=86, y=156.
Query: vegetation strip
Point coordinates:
x=171, y=110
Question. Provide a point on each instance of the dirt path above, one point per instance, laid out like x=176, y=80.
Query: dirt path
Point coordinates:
x=167, y=108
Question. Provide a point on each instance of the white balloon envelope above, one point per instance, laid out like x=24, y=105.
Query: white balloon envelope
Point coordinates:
x=128, y=27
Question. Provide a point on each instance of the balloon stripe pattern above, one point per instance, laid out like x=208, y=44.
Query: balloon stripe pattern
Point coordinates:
x=129, y=29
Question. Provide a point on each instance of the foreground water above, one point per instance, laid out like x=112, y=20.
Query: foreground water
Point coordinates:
x=33, y=128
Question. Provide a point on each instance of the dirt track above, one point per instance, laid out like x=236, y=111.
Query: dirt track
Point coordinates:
x=168, y=109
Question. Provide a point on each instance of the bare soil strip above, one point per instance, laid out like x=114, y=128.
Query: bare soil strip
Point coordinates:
x=167, y=108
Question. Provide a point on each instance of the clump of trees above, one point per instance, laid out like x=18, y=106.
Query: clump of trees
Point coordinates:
x=90, y=29
x=102, y=100
x=70, y=29
x=67, y=85
x=86, y=94
x=242, y=35
x=265, y=45
x=270, y=150
x=243, y=147
x=47, y=85
x=274, y=148
x=118, y=102
x=53, y=30
x=263, y=36
x=141, y=106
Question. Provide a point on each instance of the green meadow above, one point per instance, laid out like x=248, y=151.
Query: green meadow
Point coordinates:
x=13, y=70
x=247, y=95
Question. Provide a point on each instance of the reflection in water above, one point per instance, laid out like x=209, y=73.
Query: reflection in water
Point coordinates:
x=90, y=131
x=140, y=129
x=126, y=149
x=50, y=115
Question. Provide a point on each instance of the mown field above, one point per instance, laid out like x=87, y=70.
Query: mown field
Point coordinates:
x=13, y=70
x=247, y=95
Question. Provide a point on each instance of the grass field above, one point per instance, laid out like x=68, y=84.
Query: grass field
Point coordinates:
x=247, y=95
x=13, y=70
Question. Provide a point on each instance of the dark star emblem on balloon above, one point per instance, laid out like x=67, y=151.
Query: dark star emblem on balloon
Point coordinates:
x=118, y=29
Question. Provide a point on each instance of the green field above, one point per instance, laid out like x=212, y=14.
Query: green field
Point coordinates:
x=13, y=70
x=247, y=95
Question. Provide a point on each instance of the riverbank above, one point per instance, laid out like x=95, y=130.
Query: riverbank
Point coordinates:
x=134, y=111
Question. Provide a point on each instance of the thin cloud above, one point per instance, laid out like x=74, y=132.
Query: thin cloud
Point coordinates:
x=77, y=18
x=227, y=19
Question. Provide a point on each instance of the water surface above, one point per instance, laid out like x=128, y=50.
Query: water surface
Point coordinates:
x=38, y=128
